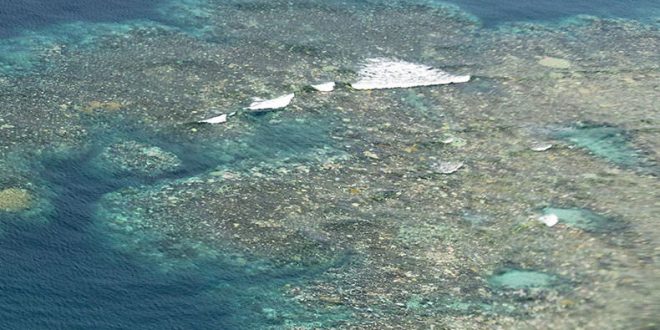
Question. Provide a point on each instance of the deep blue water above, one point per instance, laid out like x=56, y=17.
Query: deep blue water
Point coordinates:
x=61, y=274
x=493, y=12
x=65, y=273
x=30, y=14
x=17, y=15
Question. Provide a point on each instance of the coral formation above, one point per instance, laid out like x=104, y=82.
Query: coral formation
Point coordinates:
x=14, y=199
x=138, y=159
x=398, y=206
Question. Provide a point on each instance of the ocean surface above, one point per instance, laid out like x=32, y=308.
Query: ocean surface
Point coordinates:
x=492, y=12
x=60, y=269
x=17, y=16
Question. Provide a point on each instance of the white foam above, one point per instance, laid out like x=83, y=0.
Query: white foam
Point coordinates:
x=215, y=120
x=276, y=103
x=325, y=87
x=383, y=73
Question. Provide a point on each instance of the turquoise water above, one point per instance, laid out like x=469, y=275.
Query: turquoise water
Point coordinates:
x=520, y=279
x=62, y=265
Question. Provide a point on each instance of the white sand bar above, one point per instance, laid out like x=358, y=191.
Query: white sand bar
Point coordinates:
x=383, y=73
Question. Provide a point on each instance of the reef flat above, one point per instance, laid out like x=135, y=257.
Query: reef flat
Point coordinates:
x=348, y=209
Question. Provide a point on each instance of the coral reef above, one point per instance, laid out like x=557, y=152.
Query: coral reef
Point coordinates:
x=14, y=199
x=391, y=208
x=138, y=159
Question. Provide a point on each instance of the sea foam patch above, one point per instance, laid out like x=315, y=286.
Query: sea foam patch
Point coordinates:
x=384, y=73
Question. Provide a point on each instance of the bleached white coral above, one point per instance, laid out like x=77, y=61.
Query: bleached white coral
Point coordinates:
x=325, y=87
x=276, y=103
x=549, y=219
x=383, y=73
x=215, y=120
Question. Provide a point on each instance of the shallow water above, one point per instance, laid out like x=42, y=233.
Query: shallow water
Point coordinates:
x=335, y=212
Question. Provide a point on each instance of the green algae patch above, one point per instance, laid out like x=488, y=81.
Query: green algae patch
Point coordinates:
x=521, y=279
x=15, y=199
x=583, y=219
x=607, y=142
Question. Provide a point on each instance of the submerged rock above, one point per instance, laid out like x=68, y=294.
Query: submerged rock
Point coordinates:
x=371, y=154
x=15, y=199
x=138, y=159
x=383, y=73
x=555, y=63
